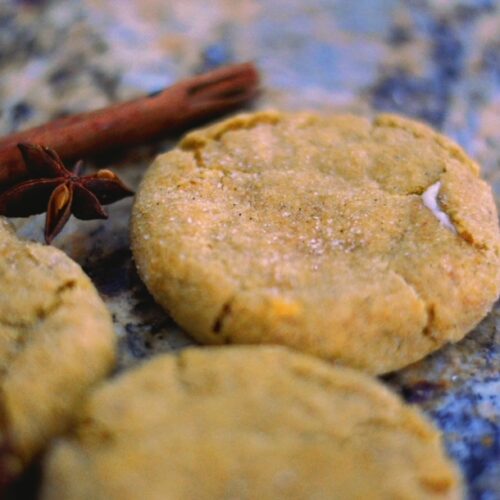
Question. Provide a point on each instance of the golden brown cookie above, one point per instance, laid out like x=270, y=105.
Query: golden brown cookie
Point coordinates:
x=248, y=423
x=368, y=242
x=56, y=340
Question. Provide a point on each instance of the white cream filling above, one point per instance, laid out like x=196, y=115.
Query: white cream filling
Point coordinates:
x=429, y=197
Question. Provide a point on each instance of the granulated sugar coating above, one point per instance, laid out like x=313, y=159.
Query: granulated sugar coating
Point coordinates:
x=311, y=231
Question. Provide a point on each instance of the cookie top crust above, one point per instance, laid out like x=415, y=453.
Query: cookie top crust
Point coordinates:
x=56, y=340
x=248, y=422
x=324, y=233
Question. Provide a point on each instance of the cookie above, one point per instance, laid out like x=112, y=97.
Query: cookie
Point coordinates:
x=56, y=340
x=371, y=243
x=248, y=422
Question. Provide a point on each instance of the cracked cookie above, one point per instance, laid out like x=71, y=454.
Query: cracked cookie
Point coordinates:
x=56, y=340
x=372, y=243
x=248, y=422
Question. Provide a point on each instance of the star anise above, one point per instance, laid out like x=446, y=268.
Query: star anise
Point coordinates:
x=60, y=192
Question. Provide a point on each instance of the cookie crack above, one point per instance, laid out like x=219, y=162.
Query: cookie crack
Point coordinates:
x=198, y=158
x=430, y=310
x=60, y=291
x=419, y=190
x=450, y=221
x=22, y=340
x=454, y=151
x=180, y=370
x=199, y=139
x=187, y=380
x=42, y=313
x=195, y=142
x=430, y=198
x=224, y=312
x=431, y=201
x=427, y=330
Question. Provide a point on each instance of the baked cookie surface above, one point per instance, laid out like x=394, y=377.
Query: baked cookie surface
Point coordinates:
x=56, y=340
x=248, y=422
x=372, y=243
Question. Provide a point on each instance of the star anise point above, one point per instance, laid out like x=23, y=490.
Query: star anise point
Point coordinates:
x=60, y=192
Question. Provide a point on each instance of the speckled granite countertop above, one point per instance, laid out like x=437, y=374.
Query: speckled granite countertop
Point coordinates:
x=437, y=60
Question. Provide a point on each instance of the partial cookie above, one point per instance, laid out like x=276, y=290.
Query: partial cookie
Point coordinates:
x=372, y=243
x=56, y=340
x=248, y=423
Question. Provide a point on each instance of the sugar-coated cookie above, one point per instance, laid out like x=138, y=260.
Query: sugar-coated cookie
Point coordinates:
x=372, y=243
x=56, y=341
x=249, y=423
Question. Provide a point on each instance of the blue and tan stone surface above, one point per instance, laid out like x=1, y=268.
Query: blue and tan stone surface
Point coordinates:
x=436, y=60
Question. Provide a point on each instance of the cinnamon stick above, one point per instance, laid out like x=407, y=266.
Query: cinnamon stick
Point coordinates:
x=134, y=122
